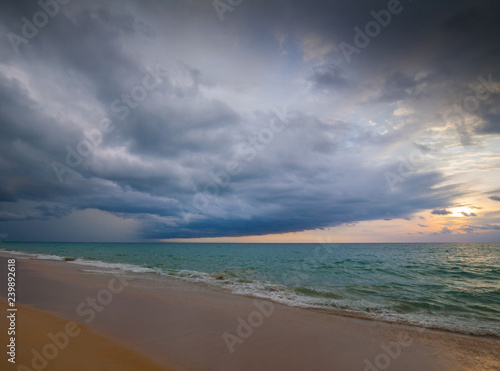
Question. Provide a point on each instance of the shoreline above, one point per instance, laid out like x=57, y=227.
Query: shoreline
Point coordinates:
x=213, y=284
x=190, y=316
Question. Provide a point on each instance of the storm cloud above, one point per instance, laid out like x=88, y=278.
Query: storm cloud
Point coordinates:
x=166, y=122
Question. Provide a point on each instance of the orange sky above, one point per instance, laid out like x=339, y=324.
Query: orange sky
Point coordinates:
x=422, y=227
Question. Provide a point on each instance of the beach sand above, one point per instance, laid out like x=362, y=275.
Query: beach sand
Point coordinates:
x=84, y=351
x=132, y=322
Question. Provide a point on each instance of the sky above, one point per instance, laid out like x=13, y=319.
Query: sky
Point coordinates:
x=250, y=121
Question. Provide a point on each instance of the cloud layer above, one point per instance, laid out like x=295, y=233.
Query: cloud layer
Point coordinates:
x=164, y=122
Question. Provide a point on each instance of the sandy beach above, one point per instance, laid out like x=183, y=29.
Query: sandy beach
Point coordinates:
x=84, y=351
x=133, y=322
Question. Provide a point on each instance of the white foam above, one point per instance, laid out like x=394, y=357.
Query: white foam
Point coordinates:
x=284, y=295
x=26, y=255
x=98, y=271
x=120, y=267
x=48, y=257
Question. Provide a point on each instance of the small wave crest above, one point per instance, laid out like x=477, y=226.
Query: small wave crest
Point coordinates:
x=26, y=255
x=121, y=267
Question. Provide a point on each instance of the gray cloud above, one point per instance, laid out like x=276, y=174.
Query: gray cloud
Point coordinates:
x=327, y=76
x=440, y=212
x=214, y=106
x=468, y=214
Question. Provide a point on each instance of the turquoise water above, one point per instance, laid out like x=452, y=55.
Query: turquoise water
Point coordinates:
x=449, y=286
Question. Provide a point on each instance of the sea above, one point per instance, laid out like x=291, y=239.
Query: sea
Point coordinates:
x=448, y=286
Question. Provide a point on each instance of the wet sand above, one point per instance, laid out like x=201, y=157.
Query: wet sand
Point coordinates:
x=184, y=326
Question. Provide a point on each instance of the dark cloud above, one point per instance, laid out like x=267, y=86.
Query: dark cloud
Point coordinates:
x=213, y=108
x=446, y=230
x=398, y=87
x=495, y=198
x=487, y=227
x=468, y=229
x=53, y=211
x=468, y=214
x=327, y=77
x=475, y=228
x=464, y=21
x=441, y=212
x=465, y=134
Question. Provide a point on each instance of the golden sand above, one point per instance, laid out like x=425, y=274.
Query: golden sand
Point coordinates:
x=82, y=348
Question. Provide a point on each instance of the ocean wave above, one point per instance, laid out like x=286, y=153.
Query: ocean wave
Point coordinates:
x=310, y=298
x=294, y=296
